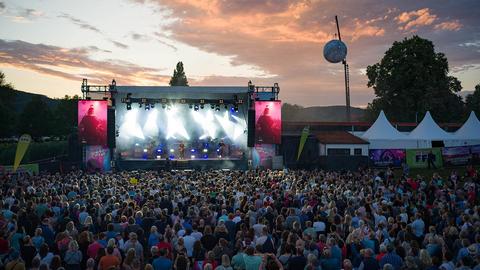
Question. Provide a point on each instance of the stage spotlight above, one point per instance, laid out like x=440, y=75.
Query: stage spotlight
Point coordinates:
x=217, y=108
x=175, y=125
x=137, y=144
x=201, y=107
x=192, y=156
x=172, y=150
x=129, y=106
x=150, y=128
x=190, y=106
x=139, y=105
x=164, y=106
x=130, y=127
x=147, y=107
x=192, y=150
x=205, y=156
x=195, y=107
x=212, y=106
x=207, y=122
x=205, y=150
x=159, y=157
x=152, y=105
x=145, y=150
x=235, y=108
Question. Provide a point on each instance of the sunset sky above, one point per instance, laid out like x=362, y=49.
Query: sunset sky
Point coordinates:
x=47, y=47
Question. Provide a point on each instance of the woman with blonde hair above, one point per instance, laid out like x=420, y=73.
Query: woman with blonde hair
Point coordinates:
x=116, y=252
x=131, y=262
x=73, y=256
x=425, y=259
x=225, y=263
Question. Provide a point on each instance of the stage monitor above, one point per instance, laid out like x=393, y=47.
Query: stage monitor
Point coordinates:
x=92, y=122
x=268, y=122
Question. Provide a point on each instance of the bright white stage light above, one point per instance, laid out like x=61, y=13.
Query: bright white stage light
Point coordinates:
x=130, y=127
x=159, y=157
x=150, y=128
x=172, y=150
x=192, y=156
x=207, y=121
x=205, y=150
x=240, y=127
x=227, y=126
x=175, y=125
x=145, y=150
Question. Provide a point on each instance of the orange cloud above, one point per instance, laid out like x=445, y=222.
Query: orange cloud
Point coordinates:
x=74, y=64
x=449, y=25
x=412, y=19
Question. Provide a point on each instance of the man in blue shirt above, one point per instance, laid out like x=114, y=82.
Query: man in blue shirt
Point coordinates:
x=162, y=262
x=391, y=258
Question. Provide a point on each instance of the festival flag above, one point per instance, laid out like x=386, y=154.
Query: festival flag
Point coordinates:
x=22, y=147
x=303, y=139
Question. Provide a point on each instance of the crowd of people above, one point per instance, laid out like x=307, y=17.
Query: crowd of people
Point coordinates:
x=252, y=220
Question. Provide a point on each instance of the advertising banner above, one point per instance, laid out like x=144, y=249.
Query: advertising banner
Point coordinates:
x=475, y=150
x=30, y=169
x=268, y=122
x=456, y=155
x=387, y=157
x=97, y=158
x=263, y=156
x=418, y=158
x=92, y=122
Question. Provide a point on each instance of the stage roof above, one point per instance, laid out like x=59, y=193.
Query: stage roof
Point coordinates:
x=182, y=89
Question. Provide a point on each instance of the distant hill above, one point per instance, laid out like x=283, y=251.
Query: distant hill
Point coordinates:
x=320, y=113
x=22, y=98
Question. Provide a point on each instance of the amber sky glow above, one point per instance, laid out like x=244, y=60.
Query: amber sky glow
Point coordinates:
x=49, y=46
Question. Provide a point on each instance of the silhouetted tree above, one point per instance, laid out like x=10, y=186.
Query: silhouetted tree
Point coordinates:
x=412, y=78
x=473, y=101
x=7, y=109
x=179, y=78
x=36, y=118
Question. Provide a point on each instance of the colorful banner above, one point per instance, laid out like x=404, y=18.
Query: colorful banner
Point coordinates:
x=456, y=155
x=387, y=157
x=418, y=158
x=92, y=122
x=268, y=122
x=303, y=139
x=22, y=147
x=263, y=155
x=97, y=158
x=30, y=169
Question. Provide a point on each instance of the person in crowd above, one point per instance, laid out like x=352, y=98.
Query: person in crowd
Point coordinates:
x=295, y=219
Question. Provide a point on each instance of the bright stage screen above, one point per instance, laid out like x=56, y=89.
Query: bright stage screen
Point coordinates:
x=92, y=122
x=268, y=122
x=181, y=131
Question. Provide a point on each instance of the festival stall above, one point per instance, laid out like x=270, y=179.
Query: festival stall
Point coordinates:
x=469, y=133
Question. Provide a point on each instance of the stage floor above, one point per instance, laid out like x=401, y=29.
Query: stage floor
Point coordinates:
x=181, y=164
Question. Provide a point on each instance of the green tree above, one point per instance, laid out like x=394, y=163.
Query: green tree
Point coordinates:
x=473, y=101
x=179, y=78
x=7, y=109
x=65, y=115
x=36, y=118
x=411, y=79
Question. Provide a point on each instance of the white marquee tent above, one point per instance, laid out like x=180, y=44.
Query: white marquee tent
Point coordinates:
x=469, y=133
x=382, y=135
x=428, y=131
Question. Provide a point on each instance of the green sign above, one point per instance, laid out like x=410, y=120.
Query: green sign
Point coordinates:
x=418, y=158
x=31, y=169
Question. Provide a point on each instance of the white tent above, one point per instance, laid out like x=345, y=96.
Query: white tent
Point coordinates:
x=469, y=133
x=428, y=131
x=382, y=135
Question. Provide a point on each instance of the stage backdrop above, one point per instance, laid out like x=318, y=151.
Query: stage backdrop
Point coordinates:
x=92, y=122
x=97, y=158
x=263, y=155
x=456, y=155
x=418, y=158
x=387, y=157
x=268, y=122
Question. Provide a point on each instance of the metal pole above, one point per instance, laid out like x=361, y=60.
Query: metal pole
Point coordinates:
x=347, y=77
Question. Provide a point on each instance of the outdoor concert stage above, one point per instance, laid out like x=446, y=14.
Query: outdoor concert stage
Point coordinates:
x=198, y=164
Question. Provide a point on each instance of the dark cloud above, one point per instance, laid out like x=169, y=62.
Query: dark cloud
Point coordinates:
x=118, y=44
x=82, y=24
x=60, y=62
